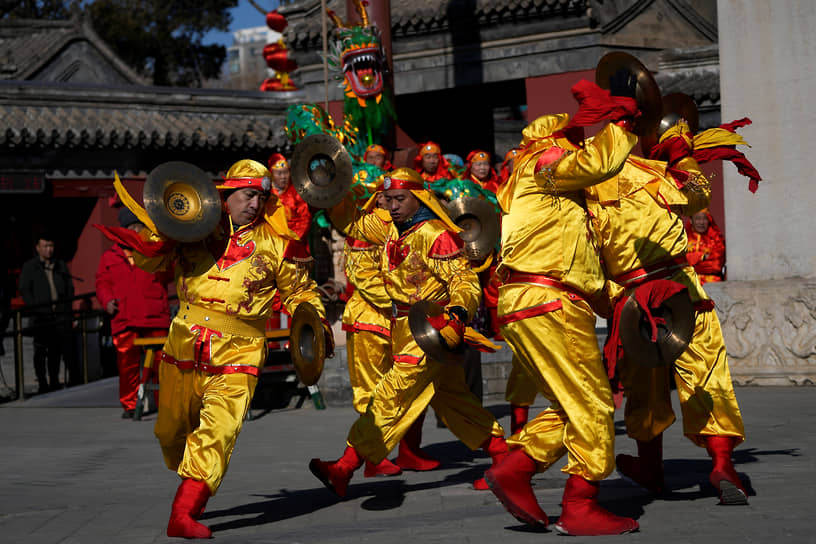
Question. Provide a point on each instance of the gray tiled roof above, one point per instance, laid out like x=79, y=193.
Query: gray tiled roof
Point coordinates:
x=421, y=16
x=27, y=45
x=54, y=117
x=694, y=71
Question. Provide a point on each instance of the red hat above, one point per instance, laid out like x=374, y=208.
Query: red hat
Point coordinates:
x=429, y=147
x=478, y=155
x=376, y=148
x=277, y=162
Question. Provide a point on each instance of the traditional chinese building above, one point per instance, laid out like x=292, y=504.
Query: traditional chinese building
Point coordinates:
x=73, y=113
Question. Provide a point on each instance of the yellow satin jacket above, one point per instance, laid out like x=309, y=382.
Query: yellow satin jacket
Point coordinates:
x=637, y=218
x=546, y=230
x=424, y=263
x=369, y=307
x=226, y=285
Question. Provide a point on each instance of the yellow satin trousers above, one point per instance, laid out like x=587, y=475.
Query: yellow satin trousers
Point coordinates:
x=200, y=416
x=559, y=351
x=704, y=387
x=369, y=358
x=520, y=389
x=406, y=390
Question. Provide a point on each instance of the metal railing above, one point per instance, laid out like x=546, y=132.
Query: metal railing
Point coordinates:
x=80, y=318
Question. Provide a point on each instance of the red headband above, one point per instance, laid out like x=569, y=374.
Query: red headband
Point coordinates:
x=396, y=183
x=263, y=184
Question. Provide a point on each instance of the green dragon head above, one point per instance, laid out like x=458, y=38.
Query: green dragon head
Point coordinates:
x=358, y=58
x=358, y=61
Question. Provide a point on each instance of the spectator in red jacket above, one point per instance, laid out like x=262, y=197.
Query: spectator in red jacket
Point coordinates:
x=137, y=302
x=706, y=247
x=298, y=215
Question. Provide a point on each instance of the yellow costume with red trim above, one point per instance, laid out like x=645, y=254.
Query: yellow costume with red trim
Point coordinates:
x=366, y=320
x=423, y=263
x=551, y=274
x=637, y=216
x=216, y=345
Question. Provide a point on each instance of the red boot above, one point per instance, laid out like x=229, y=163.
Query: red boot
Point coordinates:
x=411, y=456
x=190, y=499
x=518, y=417
x=384, y=468
x=496, y=448
x=581, y=515
x=646, y=469
x=723, y=476
x=337, y=475
x=510, y=482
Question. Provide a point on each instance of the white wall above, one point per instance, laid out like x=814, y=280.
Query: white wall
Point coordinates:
x=768, y=73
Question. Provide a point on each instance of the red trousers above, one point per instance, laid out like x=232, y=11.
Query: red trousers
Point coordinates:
x=128, y=358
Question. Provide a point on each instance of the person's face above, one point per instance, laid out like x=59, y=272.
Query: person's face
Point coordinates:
x=480, y=169
x=430, y=162
x=376, y=158
x=45, y=249
x=280, y=179
x=381, y=202
x=699, y=222
x=245, y=205
x=136, y=226
x=402, y=204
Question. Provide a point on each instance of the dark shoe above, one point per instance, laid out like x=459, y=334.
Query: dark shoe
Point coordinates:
x=128, y=414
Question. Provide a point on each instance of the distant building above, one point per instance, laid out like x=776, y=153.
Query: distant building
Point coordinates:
x=245, y=67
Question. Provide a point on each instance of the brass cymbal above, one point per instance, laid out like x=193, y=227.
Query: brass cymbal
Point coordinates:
x=673, y=337
x=647, y=93
x=307, y=343
x=678, y=106
x=428, y=338
x=481, y=225
x=182, y=201
x=321, y=170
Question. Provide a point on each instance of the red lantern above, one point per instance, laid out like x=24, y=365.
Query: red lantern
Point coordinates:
x=276, y=21
x=279, y=60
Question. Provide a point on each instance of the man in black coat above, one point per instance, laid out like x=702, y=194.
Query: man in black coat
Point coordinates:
x=47, y=287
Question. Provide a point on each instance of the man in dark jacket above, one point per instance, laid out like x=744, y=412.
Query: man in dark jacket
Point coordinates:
x=137, y=302
x=47, y=287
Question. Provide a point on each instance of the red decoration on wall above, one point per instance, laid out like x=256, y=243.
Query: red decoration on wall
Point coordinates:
x=276, y=21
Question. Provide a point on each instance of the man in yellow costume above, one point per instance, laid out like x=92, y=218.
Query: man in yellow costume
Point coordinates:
x=638, y=218
x=216, y=345
x=551, y=279
x=422, y=260
x=367, y=322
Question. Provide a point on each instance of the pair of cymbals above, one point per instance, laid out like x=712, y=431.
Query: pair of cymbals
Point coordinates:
x=182, y=201
x=321, y=170
x=480, y=223
x=658, y=114
x=675, y=327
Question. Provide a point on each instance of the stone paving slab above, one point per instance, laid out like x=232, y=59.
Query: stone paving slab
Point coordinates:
x=82, y=475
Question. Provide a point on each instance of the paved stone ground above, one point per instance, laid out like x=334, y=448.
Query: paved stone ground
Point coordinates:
x=74, y=472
